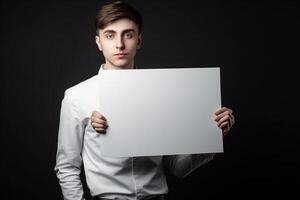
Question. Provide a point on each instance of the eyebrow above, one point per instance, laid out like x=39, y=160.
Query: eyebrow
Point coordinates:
x=128, y=30
x=124, y=31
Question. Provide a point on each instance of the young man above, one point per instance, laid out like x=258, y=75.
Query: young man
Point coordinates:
x=118, y=27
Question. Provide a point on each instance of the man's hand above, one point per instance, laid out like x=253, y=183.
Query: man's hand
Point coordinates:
x=99, y=122
x=224, y=119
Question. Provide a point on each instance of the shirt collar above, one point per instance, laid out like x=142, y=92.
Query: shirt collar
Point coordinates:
x=101, y=68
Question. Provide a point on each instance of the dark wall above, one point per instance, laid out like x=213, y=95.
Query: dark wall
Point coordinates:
x=47, y=47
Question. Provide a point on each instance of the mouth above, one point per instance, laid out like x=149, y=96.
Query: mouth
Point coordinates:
x=120, y=55
x=117, y=54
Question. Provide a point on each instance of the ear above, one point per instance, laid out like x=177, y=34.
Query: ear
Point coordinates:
x=98, y=42
x=139, y=41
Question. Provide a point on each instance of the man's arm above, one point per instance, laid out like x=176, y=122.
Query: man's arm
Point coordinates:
x=68, y=157
x=183, y=165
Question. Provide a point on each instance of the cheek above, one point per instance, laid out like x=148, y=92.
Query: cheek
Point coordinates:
x=107, y=48
x=132, y=45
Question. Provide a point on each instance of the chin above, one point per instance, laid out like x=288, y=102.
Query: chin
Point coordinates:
x=123, y=65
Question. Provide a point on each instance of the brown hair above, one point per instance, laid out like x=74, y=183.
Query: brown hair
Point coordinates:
x=114, y=11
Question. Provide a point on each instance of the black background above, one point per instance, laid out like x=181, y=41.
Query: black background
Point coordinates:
x=47, y=47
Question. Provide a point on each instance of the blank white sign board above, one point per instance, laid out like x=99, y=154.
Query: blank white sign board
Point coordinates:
x=160, y=111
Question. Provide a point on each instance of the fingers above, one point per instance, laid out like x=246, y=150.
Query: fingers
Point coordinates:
x=99, y=125
x=98, y=115
x=221, y=112
x=96, y=121
x=99, y=122
x=223, y=109
x=225, y=127
x=100, y=130
x=225, y=119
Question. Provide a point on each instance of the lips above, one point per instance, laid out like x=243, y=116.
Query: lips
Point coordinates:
x=120, y=55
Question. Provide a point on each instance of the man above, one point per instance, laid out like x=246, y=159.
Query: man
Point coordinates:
x=118, y=36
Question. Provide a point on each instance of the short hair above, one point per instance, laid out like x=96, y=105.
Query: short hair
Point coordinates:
x=114, y=11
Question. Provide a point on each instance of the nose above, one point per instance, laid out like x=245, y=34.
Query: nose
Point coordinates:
x=120, y=43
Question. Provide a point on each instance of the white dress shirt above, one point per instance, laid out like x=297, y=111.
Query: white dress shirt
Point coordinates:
x=128, y=178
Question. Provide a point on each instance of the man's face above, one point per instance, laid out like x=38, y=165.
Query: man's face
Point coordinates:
x=119, y=41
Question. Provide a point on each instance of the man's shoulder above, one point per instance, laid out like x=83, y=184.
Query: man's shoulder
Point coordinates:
x=83, y=89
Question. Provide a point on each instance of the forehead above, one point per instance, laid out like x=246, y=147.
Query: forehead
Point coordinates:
x=120, y=25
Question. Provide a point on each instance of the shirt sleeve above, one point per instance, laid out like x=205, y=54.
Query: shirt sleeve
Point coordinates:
x=68, y=157
x=183, y=165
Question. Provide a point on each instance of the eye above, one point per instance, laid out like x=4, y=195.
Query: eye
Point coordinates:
x=129, y=35
x=109, y=36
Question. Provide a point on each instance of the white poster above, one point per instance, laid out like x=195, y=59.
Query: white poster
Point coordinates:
x=160, y=111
